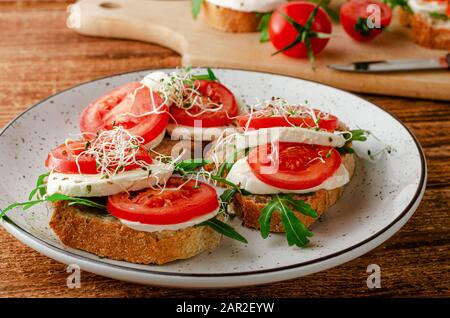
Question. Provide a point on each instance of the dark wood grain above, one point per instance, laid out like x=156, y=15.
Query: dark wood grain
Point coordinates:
x=39, y=56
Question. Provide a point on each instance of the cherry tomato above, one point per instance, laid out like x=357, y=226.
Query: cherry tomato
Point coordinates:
x=354, y=14
x=168, y=207
x=282, y=33
x=300, y=166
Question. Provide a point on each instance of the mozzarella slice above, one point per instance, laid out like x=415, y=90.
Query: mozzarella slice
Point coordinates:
x=253, y=138
x=242, y=174
x=169, y=227
x=249, y=5
x=154, y=80
x=181, y=132
x=427, y=6
x=96, y=185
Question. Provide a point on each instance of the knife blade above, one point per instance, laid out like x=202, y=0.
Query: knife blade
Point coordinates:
x=394, y=65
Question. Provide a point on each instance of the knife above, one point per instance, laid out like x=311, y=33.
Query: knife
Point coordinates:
x=394, y=65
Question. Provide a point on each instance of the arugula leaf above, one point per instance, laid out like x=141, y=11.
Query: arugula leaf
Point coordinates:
x=296, y=233
x=190, y=165
x=39, y=193
x=263, y=27
x=301, y=206
x=211, y=74
x=344, y=150
x=224, y=229
x=200, y=77
x=75, y=200
x=231, y=184
x=227, y=195
x=266, y=216
x=53, y=198
x=221, y=227
x=225, y=199
x=226, y=166
x=40, y=186
x=356, y=135
x=439, y=16
x=400, y=3
x=359, y=135
x=14, y=205
x=196, y=6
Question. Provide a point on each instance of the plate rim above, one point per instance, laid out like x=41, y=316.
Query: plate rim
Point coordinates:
x=417, y=195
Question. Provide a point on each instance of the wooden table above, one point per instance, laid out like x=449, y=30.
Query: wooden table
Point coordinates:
x=39, y=56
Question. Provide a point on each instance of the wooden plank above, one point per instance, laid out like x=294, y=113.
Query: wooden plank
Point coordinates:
x=170, y=24
x=39, y=57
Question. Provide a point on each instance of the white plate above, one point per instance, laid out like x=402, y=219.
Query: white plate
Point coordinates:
x=381, y=197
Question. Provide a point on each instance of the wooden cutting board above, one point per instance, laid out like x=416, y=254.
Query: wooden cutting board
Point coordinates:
x=169, y=23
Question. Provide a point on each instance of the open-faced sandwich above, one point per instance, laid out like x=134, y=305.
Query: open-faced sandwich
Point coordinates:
x=200, y=107
x=429, y=21
x=124, y=189
x=237, y=16
x=118, y=192
x=137, y=210
x=290, y=162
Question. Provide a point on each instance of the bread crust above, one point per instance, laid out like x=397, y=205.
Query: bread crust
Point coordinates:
x=249, y=207
x=102, y=234
x=229, y=20
x=169, y=147
x=404, y=17
x=428, y=33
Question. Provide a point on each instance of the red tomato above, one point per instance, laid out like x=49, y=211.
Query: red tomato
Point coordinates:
x=168, y=207
x=448, y=10
x=218, y=94
x=112, y=109
x=300, y=166
x=282, y=33
x=63, y=159
x=328, y=122
x=353, y=17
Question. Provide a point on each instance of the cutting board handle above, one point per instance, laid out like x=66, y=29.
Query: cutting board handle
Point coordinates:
x=129, y=19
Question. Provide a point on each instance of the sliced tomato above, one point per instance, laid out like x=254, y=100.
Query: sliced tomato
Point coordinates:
x=115, y=107
x=63, y=159
x=325, y=121
x=176, y=204
x=217, y=94
x=297, y=167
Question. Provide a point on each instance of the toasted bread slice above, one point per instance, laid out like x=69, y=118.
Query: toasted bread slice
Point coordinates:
x=229, y=20
x=174, y=148
x=430, y=32
x=102, y=234
x=404, y=17
x=165, y=147
x=249, y=207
